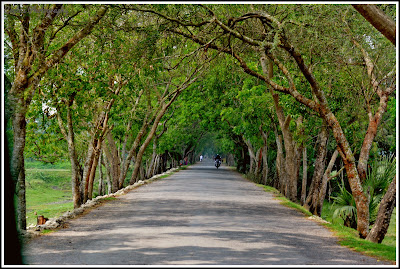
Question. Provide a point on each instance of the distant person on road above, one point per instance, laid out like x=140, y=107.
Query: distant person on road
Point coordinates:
x=201, y=158
x=217, y=160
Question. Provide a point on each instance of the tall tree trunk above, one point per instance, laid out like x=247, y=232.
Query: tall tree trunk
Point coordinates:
x=150, y=171
x=258, y=168
x=100, y=130
x=264, y=157
x=97, y=152
x=101, y=180
x=126, y=160
x=18, y=166
x=304, y=181
x=98, y=134
x=324, y=184
x=108, y=172
x=279, y=163
x=110, y=165
x=114, y=161
x=292, y=150
x=381, y=225
x=374, y=119
x=12, y=253
x=25, y=83
x=253, y=159
x=150, y=135
x=132, y=152
x=311, y=203
x=70, y=137
x=361, y=198
x=86, y=171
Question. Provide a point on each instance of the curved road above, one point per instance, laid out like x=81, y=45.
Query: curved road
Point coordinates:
x=198, y=216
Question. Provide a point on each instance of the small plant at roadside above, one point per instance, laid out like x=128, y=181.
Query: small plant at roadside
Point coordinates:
x=380, y=174
x=47, y=231
x=109, y=198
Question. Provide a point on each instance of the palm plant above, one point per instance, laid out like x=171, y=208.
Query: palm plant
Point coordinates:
x=379, y=176
x=347, y=207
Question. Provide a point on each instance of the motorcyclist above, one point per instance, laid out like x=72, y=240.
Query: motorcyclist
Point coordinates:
x=217, y=157
x=217, y=160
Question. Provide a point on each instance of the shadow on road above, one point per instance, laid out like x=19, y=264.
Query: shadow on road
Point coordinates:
x=198, y=216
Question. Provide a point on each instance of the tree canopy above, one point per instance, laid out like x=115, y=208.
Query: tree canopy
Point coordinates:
x=137, y=88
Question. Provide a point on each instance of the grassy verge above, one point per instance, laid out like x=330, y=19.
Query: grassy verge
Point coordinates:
x=284, y=201
x=183, y=167
x=349, y=237
x=48, y=191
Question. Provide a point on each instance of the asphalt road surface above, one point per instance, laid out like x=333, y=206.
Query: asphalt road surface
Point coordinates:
x=198, y=216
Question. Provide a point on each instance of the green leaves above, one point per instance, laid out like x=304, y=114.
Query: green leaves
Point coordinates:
x=379, y=176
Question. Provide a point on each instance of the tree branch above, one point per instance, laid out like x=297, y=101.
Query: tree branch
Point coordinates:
x=382, y=22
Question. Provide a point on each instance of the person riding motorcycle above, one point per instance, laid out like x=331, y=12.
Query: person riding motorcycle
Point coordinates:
x=217, y=160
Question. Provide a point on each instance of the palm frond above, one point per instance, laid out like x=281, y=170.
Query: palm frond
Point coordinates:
x=380, y=174
x=373, y=207
x=345, y=212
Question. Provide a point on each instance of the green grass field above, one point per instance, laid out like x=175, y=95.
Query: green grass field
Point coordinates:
x=48, y=191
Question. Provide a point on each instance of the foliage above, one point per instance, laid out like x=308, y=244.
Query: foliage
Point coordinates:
x=44, y=142
x=379, y=176
x=143, y=53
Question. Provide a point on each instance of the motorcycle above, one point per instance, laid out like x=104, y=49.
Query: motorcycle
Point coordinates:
x=217, y=163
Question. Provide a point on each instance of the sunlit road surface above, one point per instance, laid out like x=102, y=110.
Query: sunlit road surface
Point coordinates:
x=198, y=216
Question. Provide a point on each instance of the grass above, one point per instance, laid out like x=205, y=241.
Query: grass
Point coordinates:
x=183, y=167
x=47, y=231
x=48, y=191
x=284, y=200
x=349, y=237
x=109, y=199
x=41, y=165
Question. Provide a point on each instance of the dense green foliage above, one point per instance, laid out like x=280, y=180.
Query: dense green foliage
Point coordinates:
x=153, y=86
x=379, y=176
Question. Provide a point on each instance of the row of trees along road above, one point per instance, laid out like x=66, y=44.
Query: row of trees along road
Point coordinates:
x=136, y=88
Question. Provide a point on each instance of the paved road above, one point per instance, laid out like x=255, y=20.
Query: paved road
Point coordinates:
x=199, y=216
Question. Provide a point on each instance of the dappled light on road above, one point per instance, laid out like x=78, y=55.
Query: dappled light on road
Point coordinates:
x=202, y=216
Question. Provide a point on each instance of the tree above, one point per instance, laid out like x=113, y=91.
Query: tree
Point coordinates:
x=378, y=231
x=33, y=56
x=275, y=41
x=280, y=69
x=382, y=22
